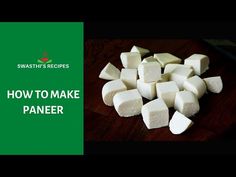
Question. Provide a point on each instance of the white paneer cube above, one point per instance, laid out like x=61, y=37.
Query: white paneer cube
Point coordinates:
x=147, y=90
x=130, y=60
x=199, y=62
x=196, y=85
x=155, y=114
x=180, y=74
x=140, y=50
x=110, y=89
x=170, y=67
x=214, y=84
x=110, y=72
x=149, y=72
x=129, y=77
x=164, y=77
x=179, y=123
x=166, y=58
x=128, y=103
x=167, y=91
x=149, y=59
x=186, y=103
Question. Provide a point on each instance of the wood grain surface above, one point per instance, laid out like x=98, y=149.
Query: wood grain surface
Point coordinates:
x=102, y=123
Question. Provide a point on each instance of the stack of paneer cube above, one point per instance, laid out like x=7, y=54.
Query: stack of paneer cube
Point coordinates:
x=162, y=79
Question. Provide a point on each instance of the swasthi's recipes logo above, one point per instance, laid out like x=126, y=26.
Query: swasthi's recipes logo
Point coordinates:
x=44, y=59
x=44, y=63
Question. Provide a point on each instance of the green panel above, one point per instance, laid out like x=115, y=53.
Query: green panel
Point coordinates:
x=26, y=43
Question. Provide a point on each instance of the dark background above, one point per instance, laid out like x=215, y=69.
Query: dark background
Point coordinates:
x=102, y=20
x=106, y=133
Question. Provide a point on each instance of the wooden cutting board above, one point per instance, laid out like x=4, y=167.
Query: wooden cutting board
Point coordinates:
x=102, y=123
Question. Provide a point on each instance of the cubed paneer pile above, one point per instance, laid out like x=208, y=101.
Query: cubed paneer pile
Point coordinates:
x=163, y=79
